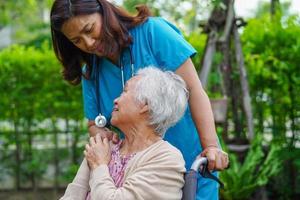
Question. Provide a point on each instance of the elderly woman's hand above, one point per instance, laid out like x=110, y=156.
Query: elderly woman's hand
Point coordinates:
x=217, y=159
x=97, y=152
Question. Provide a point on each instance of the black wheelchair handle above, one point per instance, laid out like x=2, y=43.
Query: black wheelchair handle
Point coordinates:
x=201, y=165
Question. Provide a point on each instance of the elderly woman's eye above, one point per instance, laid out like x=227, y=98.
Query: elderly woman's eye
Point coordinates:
x=89, y=30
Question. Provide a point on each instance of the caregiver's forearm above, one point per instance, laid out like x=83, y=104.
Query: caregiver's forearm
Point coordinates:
x=199, y=105
x=203, y=116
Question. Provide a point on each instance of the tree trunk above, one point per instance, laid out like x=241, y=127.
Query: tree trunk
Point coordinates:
x=225, y=67
x=226, y=70
x=274, y=5
x=75, y=141
x=17, y=157
x=291, y=143
x=229, y=21
x=30, y=153
x=292, y=115
x=210, y=49
x=244, y=83
x=67, y=132
x=56, y=160
x=236, y=103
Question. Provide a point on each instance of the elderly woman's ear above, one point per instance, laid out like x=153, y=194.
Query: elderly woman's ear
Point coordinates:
x=144, y=108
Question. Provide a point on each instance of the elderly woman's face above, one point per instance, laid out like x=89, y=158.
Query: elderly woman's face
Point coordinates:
x=126, y=110
x=84, y=31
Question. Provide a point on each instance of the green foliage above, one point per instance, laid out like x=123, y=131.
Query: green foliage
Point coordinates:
x=185, y=13
x=27, y=18
x=272, y=48
x=32, y=86
x=131, y=4
x=241, y=180
x=263, y=8
x=69, y=172
x=36, y=164
x=33, y=93
x=289, y=176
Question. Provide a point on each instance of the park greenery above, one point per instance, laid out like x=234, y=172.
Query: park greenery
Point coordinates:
x=43, y=130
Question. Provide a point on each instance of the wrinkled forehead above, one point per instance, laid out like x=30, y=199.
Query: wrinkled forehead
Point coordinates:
x=132, y=81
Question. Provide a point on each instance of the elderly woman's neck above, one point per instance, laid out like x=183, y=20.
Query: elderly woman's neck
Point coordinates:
x=138, y=139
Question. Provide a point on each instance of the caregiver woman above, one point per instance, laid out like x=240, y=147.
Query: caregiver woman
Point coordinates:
x=111, y=45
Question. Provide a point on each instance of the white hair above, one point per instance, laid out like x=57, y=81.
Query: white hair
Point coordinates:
x=165, y=94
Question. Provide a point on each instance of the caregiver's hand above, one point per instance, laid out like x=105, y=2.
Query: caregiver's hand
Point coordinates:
x=103, y=132
x=217, y=159
x=97, y=151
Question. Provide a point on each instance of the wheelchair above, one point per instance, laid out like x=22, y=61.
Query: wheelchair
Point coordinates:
x=200, y=165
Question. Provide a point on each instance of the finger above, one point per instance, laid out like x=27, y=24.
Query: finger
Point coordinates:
x=98, y=134
x=100, y=140
x=219, y=162
x=227, y=161
x=223, y=161
x=202, y=154
x=105, y=142
x=87, y=147
x=92, y=141
x=97, y=138
x=211, y=161
x=85, y=153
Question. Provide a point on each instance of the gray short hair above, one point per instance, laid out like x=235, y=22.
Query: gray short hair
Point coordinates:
x=166, y=95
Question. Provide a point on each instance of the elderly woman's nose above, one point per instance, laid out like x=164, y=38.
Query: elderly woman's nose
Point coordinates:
x=116, y=100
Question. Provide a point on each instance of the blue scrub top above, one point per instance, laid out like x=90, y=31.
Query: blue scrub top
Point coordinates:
x=158, y=43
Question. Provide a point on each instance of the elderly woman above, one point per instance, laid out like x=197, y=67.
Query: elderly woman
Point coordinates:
x=142, y=166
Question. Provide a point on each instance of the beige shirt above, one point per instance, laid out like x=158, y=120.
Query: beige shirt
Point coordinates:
x=154, y=173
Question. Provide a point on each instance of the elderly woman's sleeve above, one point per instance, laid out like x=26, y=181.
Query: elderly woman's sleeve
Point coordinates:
x=159, y=178
x=78, y=189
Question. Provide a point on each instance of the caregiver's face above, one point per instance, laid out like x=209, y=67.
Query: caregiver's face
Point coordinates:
x=126, y=109
x=84, y=31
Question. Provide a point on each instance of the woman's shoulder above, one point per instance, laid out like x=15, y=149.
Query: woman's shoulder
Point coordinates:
x=154, y=22
x=148, y=22
x=162, y=151
x=155, y=31
x=167, y=147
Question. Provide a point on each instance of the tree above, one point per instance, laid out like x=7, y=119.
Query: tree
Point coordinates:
x=28, y=18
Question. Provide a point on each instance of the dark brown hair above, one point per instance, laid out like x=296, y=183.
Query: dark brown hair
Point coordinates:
x=114, y=33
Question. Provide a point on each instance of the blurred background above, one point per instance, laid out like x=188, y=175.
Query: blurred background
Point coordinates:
x=248, y=60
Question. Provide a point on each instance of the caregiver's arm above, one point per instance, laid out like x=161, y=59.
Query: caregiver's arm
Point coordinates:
x=203, y=117
x=103, y=132
x=78, y=189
